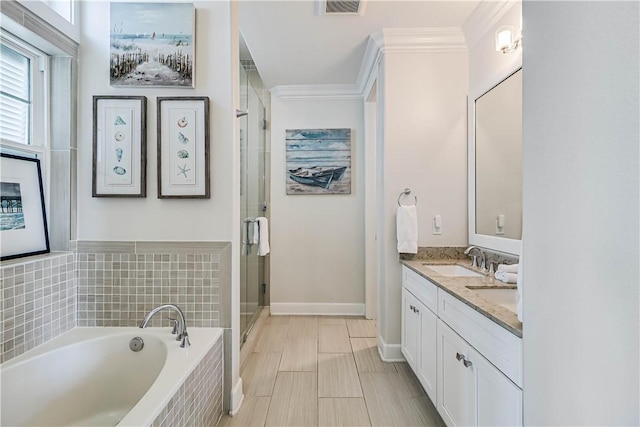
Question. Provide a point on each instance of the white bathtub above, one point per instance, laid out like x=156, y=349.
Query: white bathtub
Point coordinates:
x=90, y=377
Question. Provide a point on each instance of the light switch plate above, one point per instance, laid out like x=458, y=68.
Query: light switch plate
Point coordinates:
x=437, y=224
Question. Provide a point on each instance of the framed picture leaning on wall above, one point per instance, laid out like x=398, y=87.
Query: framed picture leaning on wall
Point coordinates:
x=119, y=146
x=23, y=218
x=183, y=147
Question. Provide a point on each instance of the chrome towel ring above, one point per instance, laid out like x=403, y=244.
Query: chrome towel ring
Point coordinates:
x=406, y=192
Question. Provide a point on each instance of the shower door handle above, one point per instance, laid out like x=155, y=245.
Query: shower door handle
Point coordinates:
x=245, y=238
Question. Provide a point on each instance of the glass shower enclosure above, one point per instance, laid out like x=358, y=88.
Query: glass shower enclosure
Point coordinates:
x=253, y=202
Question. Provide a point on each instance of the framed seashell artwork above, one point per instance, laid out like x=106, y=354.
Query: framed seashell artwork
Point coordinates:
x=119, y=146
x=183, y=148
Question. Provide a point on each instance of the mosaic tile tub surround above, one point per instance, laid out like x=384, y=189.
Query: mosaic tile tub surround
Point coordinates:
x=198, y=402
x=120, y=282
x=111, y=284
x=38, y=301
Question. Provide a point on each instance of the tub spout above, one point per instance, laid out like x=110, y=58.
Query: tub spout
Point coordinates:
x=181, y=325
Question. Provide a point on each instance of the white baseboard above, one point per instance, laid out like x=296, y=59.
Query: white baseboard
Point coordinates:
x=317, y=309
x=389, y=352
x=236, y=398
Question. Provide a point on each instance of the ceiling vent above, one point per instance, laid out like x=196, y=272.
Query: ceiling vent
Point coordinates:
x=341, y=7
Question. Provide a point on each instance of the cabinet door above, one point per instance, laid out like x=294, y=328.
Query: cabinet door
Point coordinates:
x=456, y=381
x=410, y=329
x=427, y=354
x=499, y=401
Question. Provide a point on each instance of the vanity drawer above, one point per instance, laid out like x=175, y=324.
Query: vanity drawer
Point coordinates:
x=499, y=346
x=421, y=288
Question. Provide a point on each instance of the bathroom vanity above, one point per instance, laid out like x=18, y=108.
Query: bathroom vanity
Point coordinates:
x=460, y=332
x=462, y=339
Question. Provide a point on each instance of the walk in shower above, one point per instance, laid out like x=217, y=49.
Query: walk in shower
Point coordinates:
x=252, y=194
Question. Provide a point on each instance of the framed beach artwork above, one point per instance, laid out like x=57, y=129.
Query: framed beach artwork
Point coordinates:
x=318, y=161
x=119, y=146
x=183, y=147
x=152, y=44
x=23, y=219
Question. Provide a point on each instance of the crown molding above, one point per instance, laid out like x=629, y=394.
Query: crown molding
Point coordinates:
x=369, y=64
x=387, y=40
x=406, y=40
x=338, y=91
x=484, y=18
x=445, y=39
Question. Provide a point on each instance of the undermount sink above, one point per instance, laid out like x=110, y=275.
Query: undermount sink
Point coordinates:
x=508, y=298
x=452, y=270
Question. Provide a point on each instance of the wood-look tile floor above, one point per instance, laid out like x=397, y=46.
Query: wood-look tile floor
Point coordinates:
x=325, y=371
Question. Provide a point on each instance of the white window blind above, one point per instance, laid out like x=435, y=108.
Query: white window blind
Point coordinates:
x=15, y=96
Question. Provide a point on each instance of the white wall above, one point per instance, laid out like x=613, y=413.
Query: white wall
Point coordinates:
x=487, y=66
x=214, y=219
x=151, y=218
x=423, y=147
x=581, y=190
x=317, y=241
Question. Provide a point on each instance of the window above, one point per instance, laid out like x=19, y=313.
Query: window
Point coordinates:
x=15, y=96
x=32, y=64
x=23, y=94
x=23, y=102
x=63, y=8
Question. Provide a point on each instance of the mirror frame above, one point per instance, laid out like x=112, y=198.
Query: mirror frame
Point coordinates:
x=501, y=244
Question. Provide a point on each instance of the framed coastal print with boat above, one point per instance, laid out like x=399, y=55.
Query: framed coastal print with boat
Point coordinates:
x=183, y=147
x=23, y=219
x=152, y=44
x=318, y=161
x=119, y=146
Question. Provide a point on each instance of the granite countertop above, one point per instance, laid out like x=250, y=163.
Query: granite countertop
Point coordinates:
x=457, y=286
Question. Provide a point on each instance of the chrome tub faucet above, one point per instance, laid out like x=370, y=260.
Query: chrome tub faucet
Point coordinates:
x=180, y=326
x=483, y=260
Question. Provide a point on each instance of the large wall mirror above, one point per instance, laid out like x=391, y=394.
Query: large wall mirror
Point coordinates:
x=495, y=166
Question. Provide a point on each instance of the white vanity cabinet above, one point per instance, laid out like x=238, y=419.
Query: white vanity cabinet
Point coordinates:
x=455, y=396
x=470, y=367
x=471, y=391
x=419, y=328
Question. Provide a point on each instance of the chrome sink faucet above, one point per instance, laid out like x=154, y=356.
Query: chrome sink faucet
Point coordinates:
x=180, y=326
x=483, y=260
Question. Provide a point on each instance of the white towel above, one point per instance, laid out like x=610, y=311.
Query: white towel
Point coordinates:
x=505, y=277
x=519, y=284
x=263, y=236
x=407, y=229
x=508, y=268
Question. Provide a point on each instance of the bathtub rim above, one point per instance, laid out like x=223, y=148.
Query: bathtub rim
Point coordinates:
x=178, y=365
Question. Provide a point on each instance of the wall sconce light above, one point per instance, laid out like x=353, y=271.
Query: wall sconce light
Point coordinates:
x=506, y=39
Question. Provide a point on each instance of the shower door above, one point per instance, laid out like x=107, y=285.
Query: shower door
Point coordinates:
x=252, y=205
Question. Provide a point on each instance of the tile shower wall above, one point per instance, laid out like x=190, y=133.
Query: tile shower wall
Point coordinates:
x=38, y=302
x=120, y=282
